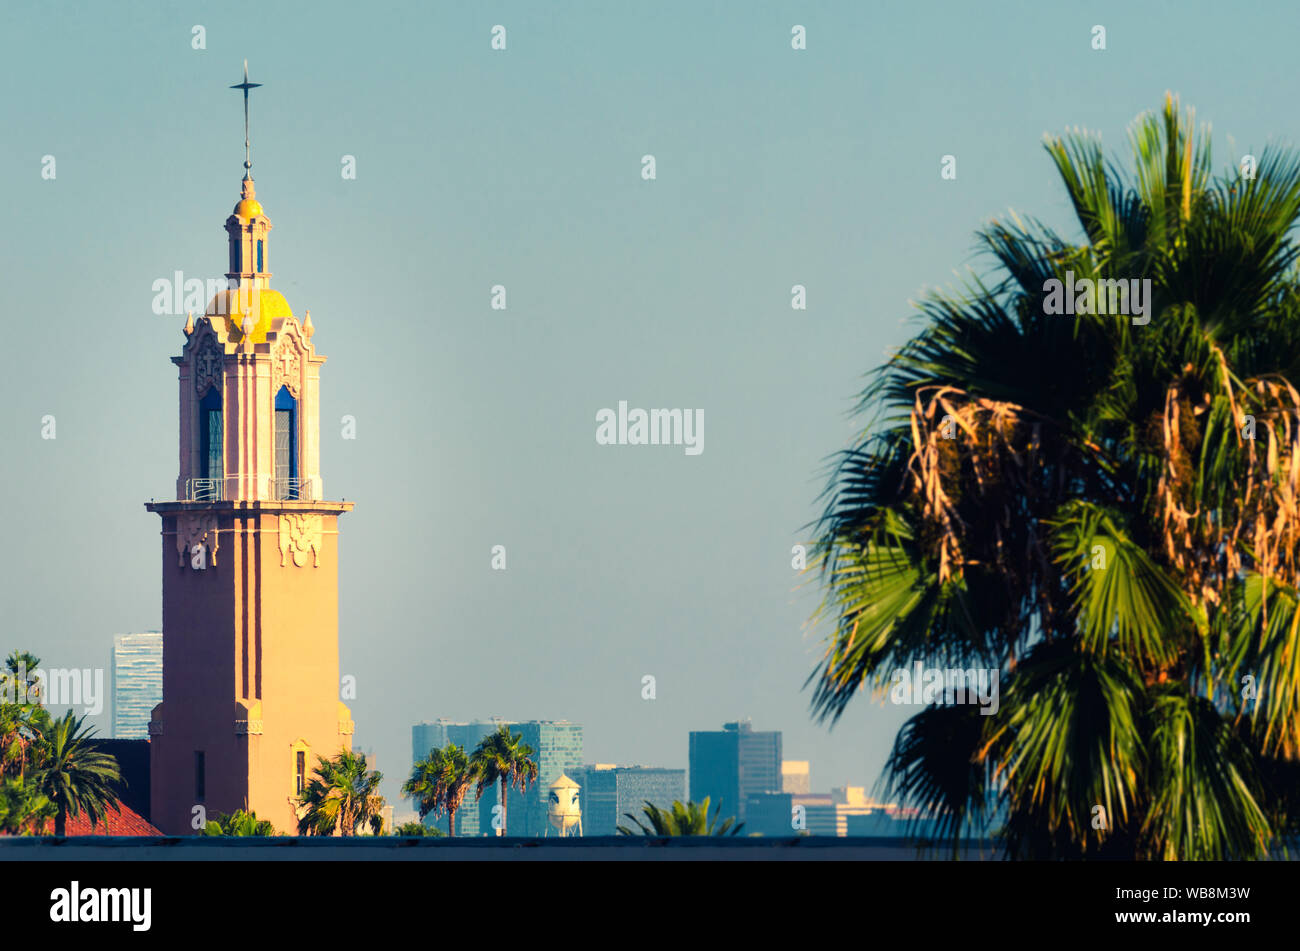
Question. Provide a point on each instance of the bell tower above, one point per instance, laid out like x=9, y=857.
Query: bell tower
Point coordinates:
x=250, y=556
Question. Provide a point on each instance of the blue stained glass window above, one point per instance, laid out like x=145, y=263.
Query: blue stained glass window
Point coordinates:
x=210, y=435
x=286, y=445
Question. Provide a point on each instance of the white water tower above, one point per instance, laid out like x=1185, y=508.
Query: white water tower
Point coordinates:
x=563, y=810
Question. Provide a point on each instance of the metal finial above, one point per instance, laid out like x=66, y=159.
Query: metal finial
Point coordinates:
x=245, y=86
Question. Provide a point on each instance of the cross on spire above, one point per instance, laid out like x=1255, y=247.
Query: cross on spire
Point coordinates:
x=248, y=152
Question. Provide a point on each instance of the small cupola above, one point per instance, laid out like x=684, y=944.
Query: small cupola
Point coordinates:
x=248, y=229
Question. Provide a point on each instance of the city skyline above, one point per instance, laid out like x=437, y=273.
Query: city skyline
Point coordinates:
x=651, y=297
x=759, y=441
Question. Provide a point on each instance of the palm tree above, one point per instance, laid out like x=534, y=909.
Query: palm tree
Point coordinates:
x=23, y=810
x=74, y=775
x=342, y=796
x=238, y=823
x=20, y=667
x=417, y=830
x=23, y=721
x=683, y=819
x=440, y=781
x=500, y=757
x=1104, y=511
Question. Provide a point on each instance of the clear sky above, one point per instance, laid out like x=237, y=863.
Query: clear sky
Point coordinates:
x=476, y=427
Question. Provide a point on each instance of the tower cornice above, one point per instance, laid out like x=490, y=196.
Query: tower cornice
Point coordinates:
x=251, y=507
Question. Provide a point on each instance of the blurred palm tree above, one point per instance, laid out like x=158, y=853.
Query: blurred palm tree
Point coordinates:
x=440, y=781
x=417, y=830
x=690, y=818
x=1106, y=512
x=23, y=810
x=238, y=823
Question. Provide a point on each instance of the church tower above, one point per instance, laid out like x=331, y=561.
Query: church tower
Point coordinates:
x=250, y=556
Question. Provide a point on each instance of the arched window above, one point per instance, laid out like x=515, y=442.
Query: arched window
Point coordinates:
x=300, y=754
x=259, y=256
x=210, y=462
x=286, y=445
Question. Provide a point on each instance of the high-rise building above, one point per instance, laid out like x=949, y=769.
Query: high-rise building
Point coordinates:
x=821, y=813
x=770, y=814
x=250, y=556
x=136, y=675
x=730, y=765
x=794, y=776
x=610, y=792
x=557, y=749
x=850, y=802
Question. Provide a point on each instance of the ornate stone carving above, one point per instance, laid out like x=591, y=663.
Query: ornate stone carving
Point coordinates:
x=247, y=727
x=196, y=529
x=207, y=364
x=286, y=367
x=300, y=533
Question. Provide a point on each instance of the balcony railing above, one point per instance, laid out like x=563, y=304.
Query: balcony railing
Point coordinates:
x=210, y=490
x=289, y=489
x=203, y=490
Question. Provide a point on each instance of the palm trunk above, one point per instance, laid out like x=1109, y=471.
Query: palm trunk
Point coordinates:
x=505, y=795
x=451, y=822
x=61, y=822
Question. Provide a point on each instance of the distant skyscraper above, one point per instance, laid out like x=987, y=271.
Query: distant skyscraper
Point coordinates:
x=794, y=776
x=734, y=764
x=136, y=682
x=823, y=814
x=610, y=792
x=557, y=749
x=769, y=814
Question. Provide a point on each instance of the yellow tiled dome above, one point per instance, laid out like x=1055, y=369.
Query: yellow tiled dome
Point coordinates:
x=248, y=208
x=264, y=306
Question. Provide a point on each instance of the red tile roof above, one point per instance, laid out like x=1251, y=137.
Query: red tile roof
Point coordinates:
x=124, y=821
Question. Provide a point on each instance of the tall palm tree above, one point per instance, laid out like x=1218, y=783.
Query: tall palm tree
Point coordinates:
x=74, y=775
x=341, y=797
x=23, y=720
x=1104, y=511
x=20, y=670
x=500, y=757
x=691, y=818
x=440, y=781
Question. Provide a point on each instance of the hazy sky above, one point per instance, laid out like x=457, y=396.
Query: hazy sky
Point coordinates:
x=476, y=427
